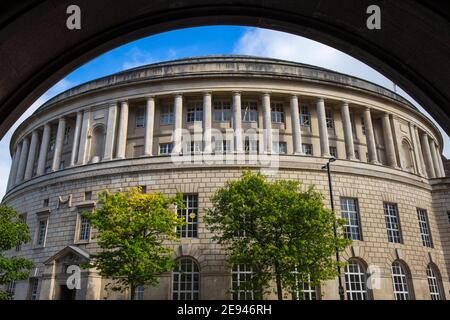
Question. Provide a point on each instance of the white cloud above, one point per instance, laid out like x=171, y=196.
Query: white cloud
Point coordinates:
x=137, y=57
x=5, y=158
x=280, y=45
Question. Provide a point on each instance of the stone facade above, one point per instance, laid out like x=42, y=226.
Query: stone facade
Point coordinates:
x=121, y=131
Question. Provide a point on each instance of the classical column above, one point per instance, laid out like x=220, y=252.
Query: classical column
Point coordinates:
x=149, y=123
x=267, y=122
x=177, y=135
x=207, y=122
x=296, y=131
x=14, y=166
x=388, y=141
x=22, y=160
x=110, y=132
x=427, y=155
x=370, y=137
x=31, y=155
x=82, y=149
x=237, y=122
x=43, y=150
x=423, y=168
x=441, y=164
x=59, y=144
x=323, y=131
x=76, y=138
x=123, y=129
x=415, y=149
x=434, y=157
x=348, y=134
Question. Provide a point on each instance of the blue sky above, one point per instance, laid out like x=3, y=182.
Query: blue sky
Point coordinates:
x=206, y=41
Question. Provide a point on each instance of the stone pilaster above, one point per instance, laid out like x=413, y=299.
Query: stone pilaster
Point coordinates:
x=82, y=151
x=427, y=155
x=388, y=141
x=296, y=131
x=434, y=157
x=43, y=150
x=207, y=122
x=323, y=131
x=348, y=134
x=370, y=137
x=267, y=122
x=14, y=166
x=76, y=138
x=237, y=122
x=110, y=132
x=22, y=160
x=177, y=134
x=59, y=144
x=123, y=129
x=31, y=155
x=149, y=124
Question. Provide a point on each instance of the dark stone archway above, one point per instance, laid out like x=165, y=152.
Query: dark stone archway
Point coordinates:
x=36, y=49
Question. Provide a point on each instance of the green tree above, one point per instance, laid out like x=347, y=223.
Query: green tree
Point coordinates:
x=281, y=232
x=13, y=232
x=132, y=228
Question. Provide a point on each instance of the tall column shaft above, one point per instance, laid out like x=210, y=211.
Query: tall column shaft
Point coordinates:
x=296, y=131
x=31, y=155
x=22, y=160
x=82, y=150
x=418, y=165
x=440, y=163
x=149, y=123
x=76, y=138
x=348, y=134
x=207, y=122
x=370, y=137
x=423, y=168
x=427, y=155
x=388, y=141
x=14, y=166
x=178, y=109
x=323, y=131
x=43, y=150
x=434, y=157
x=59, y=144
x=267, y=123
x=110, y=132
x=123, y=129
x=237, y=122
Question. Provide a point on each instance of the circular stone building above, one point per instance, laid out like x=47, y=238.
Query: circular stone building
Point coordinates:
x=189, y=126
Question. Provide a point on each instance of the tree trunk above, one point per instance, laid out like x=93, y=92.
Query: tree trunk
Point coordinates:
x=133, y=289
x=279, y=287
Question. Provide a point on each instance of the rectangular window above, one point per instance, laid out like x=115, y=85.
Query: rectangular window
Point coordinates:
x=34, y=285
x=45, y=202
x=139, y=293
x=357, y=154
x=251, y=146
x=42, y=232
x=88, y=195
x=329, y=118
x=140, y=118
x=279, y=147
x=62, y=165
x=194, y=112
x=167, y=115
x=249, y=111
x=305, y=118
x=425, y=233
x=165, y=148
x=222, y=111
x=363, y=126
x=303, y=290
x=85, y=229
x=190, y=215
x=333, y=151
x=241, y=283
x=11, y=289
x=66, y=135
x=222, y=146
x=277, y=112
x=194, y=147
x=23, y=218
x=307, y=149
x=392, y=222
x=350, y=212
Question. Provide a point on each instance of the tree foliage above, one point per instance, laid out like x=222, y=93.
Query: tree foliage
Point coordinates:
x=276, y=228
x=13, y=232
x=132, y=228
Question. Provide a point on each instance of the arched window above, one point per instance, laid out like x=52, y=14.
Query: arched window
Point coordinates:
x=185, y=280
x=400, y=281
x=408, y=162
x=241, y=286
x=434, y=283
x=304, y=290
x=97, y=144
x=355, y=281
